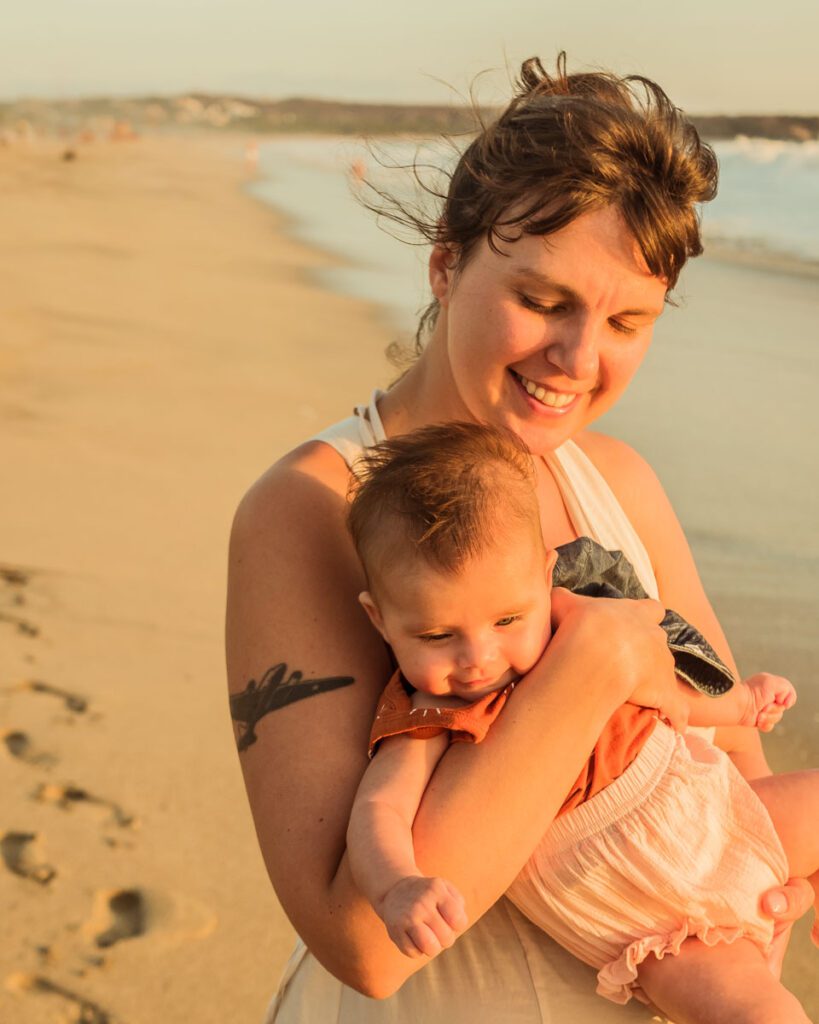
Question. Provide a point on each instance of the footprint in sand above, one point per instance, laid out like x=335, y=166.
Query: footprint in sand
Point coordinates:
x=82, y=1011
x=66, y=796
x=72, y=701
x=15, y=581
x=12, y=576
x=20, y=853
x=19, y=745
x=118, y=914
x=23, y=625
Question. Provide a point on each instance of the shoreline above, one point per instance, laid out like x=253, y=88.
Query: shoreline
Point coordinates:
x=757, y=257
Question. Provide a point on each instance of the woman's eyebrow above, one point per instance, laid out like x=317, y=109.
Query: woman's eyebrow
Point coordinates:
x=534, y=277
x=538, y=280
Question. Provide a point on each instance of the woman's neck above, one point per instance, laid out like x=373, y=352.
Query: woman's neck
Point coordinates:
x=425, y=394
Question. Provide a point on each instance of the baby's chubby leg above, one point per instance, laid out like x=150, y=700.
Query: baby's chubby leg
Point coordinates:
x=715, y=984
x=792, y=800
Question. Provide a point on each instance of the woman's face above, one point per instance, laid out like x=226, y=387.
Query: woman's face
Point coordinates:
x=545, y=339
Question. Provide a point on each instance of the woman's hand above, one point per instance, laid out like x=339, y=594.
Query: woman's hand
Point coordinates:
x=637, y=656
x=785, y=905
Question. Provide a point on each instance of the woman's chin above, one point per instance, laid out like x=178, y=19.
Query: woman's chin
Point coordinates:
x=542, y=437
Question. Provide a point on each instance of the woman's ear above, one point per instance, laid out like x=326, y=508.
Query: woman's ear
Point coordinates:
x=442, y=263
x=365, y=599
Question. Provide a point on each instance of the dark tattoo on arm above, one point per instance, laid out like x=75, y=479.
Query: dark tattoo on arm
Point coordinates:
x=274, y=692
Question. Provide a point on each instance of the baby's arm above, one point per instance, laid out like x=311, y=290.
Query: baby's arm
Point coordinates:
x=422, y=915
x=758, y=702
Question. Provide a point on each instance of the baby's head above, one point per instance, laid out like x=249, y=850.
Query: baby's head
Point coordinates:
x=446, y=524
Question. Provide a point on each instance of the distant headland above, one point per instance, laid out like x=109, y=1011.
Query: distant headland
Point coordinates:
x=264, y=117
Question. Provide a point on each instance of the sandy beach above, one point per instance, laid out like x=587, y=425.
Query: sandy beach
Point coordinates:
x=160, y=347
x=162, y=342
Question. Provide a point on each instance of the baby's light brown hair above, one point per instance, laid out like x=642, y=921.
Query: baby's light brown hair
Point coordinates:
x=443, y=493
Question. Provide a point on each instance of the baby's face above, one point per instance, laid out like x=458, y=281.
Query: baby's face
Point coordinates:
x=471, y=632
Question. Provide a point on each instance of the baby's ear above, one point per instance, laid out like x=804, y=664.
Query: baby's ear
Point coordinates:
x=366, y=601
x=551, y=559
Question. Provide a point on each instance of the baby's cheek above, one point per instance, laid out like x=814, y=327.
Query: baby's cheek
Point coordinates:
x=536, y=648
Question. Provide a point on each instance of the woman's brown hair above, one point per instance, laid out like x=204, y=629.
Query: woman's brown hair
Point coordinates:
x=567, y=144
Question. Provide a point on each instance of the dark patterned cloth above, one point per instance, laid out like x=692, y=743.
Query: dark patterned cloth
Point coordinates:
x=585, y=567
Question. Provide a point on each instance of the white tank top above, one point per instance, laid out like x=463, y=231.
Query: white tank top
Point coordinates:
x=503, y=970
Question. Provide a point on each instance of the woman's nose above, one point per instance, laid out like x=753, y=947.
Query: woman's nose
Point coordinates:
x=575, y=349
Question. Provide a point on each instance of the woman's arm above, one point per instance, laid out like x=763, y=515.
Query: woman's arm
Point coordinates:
x=293, y=582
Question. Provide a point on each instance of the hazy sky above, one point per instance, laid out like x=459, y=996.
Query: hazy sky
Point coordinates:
x=710, y=55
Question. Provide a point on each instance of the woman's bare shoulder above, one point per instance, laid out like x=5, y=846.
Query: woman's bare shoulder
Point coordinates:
x=290, y=480
x=292, y=569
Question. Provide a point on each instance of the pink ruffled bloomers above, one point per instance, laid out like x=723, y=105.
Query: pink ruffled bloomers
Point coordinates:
x=678, y=846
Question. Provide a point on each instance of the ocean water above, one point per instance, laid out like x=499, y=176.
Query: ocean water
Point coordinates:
x=310, y=180
x=768, y=204
x=768, y=197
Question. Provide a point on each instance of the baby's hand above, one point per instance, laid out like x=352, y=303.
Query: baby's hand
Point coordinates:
x=769, y=697
x=423, y=915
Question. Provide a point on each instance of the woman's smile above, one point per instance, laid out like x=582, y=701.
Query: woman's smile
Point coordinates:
x=544, y=398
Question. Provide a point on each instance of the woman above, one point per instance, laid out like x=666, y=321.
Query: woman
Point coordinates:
x=566, y=225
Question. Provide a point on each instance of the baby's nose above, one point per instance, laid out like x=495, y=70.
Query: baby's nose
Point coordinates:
x=474, y=655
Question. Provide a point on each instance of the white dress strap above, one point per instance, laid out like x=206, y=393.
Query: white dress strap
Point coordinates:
x=352, y=436
x=595, y=511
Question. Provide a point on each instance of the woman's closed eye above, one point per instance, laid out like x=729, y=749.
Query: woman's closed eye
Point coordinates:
x=537, y=307
x=560, y=307
x=622, y=328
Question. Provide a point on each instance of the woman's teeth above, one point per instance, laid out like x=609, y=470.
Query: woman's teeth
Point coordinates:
x=554, y=399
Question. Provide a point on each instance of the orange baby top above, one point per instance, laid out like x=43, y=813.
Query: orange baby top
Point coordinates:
x=620, y=742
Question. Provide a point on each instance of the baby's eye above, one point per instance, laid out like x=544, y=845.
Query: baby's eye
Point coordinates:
x=431, y=638
x=507, y=620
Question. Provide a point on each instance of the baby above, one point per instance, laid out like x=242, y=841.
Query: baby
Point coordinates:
x=660, y=838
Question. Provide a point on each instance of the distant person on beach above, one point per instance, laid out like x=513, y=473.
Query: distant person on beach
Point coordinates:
x=564, y=229
x=252, y=156
x=660, y=838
